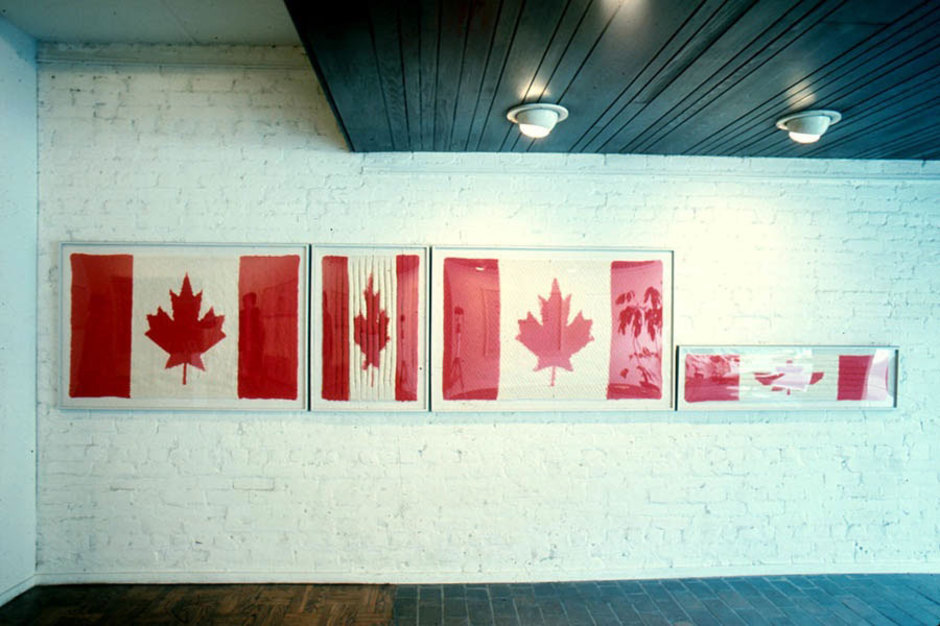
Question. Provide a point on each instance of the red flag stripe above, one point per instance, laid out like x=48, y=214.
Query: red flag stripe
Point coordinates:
x=335, y=378
x=407, y=271
x=861, y=378
x=635, y=357
x=471, y=329
x=267, y=326
x=102, y=298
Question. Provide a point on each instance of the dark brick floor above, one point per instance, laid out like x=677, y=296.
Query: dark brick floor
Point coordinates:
x=811, y=600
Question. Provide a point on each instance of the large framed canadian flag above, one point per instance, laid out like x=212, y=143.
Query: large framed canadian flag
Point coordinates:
x=153, y=326
x=370, y=329
x=726, y=378
x=551, y=329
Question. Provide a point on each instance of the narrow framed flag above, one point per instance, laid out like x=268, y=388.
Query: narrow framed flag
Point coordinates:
x=551, y=329
x=151, y=326
x=722, y=378
x=369, y=328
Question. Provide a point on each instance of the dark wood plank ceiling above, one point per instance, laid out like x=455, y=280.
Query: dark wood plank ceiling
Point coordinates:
x=695, y=77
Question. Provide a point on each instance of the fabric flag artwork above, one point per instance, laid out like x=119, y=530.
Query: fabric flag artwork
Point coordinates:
x=787, y=377
x=213, y=327
x=552, y=329
x=369, y=321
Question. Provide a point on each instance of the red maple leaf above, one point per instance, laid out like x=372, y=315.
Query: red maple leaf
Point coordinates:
x=184, y=336
x=371, y=331
x=554, y=340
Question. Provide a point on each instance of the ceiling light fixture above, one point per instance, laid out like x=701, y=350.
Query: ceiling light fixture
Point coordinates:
x=536, y=120
x=808, y=126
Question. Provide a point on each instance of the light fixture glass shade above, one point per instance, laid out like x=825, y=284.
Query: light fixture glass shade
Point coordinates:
x=804, y=137
x=537, y=120
x=808, y=126
x=535, y=131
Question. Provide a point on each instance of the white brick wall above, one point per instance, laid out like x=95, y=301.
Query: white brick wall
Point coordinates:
x=766, y=252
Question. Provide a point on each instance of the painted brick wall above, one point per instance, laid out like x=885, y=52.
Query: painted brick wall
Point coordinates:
x=18, y=202
x=766, y=251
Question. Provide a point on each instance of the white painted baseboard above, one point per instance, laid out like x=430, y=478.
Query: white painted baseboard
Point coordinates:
x=191, y=577
x=8, y=594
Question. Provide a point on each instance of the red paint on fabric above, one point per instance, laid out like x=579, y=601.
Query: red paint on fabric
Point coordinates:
x=185, y=336
x=370, y=332
x=789, y=378
x=100, y=352
x=407, y=273
x=554, y=340
x=712, y=377
x=636, y=338
x=335, y=339
x=471, y=329
x=268, y=355
x=853, y=376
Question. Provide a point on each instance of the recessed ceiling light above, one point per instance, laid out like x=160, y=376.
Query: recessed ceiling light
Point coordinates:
x=536, y=120
x=808, y=126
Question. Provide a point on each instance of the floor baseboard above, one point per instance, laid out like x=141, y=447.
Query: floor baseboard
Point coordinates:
x=444, y=577
x=21, y=587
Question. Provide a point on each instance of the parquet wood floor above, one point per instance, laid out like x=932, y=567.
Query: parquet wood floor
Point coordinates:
x=209, y=605
x=823, y=600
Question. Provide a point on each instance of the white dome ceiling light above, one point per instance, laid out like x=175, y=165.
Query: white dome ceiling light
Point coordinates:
x=808, y=126
x=536, y=120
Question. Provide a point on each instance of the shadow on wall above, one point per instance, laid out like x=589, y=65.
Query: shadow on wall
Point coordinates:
x=223, y=96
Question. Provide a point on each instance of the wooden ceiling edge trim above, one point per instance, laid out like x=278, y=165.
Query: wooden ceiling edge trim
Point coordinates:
x=296, y=17
x=175, y=55
x=761, y=168
x=324, y=86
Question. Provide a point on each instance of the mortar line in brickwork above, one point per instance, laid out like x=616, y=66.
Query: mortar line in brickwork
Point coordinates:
x=417, y=166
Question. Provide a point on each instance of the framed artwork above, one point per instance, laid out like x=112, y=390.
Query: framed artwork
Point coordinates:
x=551, y=329
x=369, y=328
x=787, y=377
x=149, y=326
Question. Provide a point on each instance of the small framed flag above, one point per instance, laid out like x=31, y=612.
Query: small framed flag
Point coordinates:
x=154, y=326
x=369, y=328
x=787, y=377
x=551, y=329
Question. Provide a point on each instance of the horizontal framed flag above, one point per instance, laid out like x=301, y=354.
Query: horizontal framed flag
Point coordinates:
x=551, y=329
x=787, y=377
x=154, y=326
x=369, y=328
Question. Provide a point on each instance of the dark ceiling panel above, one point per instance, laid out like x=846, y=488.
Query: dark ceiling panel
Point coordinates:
x=876, y=68
x=728, y=105
x=738, y=56
x=538, y=21
x=606, y=77
x=678, y=68
x=567, y=26
x=429, y=43
x=409, y=33
x=453, y=22
x=580, y=44
x=510, y=11
x=386, y=45
x=481, y=31
x=347, y=50
x=705, y=77
x=896, y=120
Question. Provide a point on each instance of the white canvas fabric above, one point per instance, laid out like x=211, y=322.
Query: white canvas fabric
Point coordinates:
x=522, y=283
x=155, y=275
x=372, y=384
x=795, y=369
